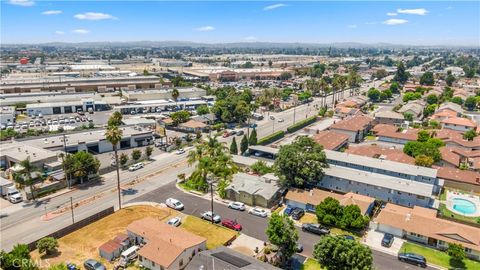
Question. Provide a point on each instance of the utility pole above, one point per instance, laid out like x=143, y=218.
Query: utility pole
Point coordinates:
x=294, y=110
x=71, y=207
x=63, y=159
x=211, y=201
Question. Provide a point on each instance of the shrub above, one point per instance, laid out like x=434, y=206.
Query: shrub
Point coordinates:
x=271, y=138
x=47, y=245
x=301, y=124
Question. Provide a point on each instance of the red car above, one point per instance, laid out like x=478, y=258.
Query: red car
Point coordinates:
x=226, y=134
x=232, y=224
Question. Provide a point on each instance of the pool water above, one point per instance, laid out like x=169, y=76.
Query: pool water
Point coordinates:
x=464, y=206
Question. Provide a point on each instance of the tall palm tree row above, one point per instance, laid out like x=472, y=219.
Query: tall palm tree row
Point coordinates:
x=114, y=136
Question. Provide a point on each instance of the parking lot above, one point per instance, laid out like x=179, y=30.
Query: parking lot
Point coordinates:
x=373, y=239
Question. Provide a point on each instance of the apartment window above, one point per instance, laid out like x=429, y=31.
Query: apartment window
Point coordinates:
x=153, y=264
x=420, y=197
x=140, y=258
x=468, y=250
x=399, y=193
x=440, y=242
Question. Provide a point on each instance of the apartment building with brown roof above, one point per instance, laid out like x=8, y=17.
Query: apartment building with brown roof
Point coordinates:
x=331, y=140
x=355, y=127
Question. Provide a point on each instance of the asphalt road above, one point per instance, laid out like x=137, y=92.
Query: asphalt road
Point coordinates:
x=252, y=225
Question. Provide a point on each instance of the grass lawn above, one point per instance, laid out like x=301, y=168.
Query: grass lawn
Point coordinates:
x=83, y=243
x=216, y=235
x=187, y=188
x=279, y=209
x=438, y=257
x=309, y=218
x=370, y=138
x=338, y=231
x=311, y=264
x=447, y=213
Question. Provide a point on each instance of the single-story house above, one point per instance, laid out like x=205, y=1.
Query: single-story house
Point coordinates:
x=309, y=199
x=264, y=191
x=422, y=225
x=355, y=127
x=331, y=140
x=393, y=134
x=458, y=123
x=342, y=111
x=460, y=179
x=389, y=117
x=164, y=247
x=208, y=119
x=223, y=258
x=192, y=126
x=451, y=107
x=415, y=108
x=455, y=138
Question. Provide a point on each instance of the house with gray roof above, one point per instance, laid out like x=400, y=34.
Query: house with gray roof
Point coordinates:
x=414, y=107
x=255, y=190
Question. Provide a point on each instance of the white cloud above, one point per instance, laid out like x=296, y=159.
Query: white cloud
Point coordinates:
x=207, y=28
x=395, y=21
x=94, y=16
x=352, y=26
x=52, y=12
x=23, y=3
x=274, y=6
x=415, y=11
x=81, y=31
x=251, y=38
x=391, y=14
x=370, y=23
x=59, y=32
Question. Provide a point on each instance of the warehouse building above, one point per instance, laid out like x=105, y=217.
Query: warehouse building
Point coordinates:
x=66, y=107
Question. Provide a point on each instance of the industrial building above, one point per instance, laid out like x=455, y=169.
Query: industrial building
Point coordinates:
x=66, y=107
x=156, y=94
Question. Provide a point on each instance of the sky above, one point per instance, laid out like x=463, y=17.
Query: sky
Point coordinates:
x=411, y=22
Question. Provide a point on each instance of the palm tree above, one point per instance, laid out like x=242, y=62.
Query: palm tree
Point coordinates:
x=114, y=136
x=24, y=176
x=115, y=119
x=175, y=95
x=323, y=85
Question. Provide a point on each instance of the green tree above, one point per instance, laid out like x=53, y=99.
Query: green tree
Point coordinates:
x=432, y=99
x=470, y=135
x=175, y=94
x=429, y=110
x=423, y=160
x=285, y=76
x=380, y=73
x=148, y=151
x=470, y=103
x=457, y=100
x=339, y=253
x=59, y=266
x=115, y=119
x=373, y=94
x=434, y=124
x=123, y=159
x=352, y=217
x=81, y=165
x=20, y=253
x=136, y=155
x=456, y=251
x=450, y=79
x=234, y=147
x=114, y=136
x=300, y=163
x=202, y=110
x=270, y=63
x=408, y=116
x=328, y=211
x=282, y=233
x=253, y=137
x=261, y=167
x=180, y=116
x=395, y=87
x=423, y=136
x=27, y=175
x=401, y=75
x=47, y=245
x=411, y=96
x=427, y=78
x=243, y=144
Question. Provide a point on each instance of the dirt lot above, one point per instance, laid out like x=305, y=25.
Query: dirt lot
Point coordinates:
x=83, y=244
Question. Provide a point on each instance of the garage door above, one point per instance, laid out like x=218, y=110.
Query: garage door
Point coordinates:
x=389, y=229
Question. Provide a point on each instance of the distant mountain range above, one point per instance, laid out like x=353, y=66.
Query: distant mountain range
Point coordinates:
x=255, y=45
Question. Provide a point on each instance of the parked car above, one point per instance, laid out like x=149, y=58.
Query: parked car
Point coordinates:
x=297, y=213
x=299, y=247
x=253, y=125
x=258, y=212
x=176, y=221
x=232, y=224
x=180, y=151
x=237, y=206
x=280, y=120
x=272, y=117
x=413, y=258
x=226, y=134
x=174, y=204
x=136, y=166
x=387, y=240
x=288, y=210
x=240, y=133
x=348, y=237
x=208, y=215
x=315, y=229
x=92, y=264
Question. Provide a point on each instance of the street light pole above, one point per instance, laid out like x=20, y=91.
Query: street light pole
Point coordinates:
x=63, y=159
x=294, y=110
x=71, y=207
x=211, y=201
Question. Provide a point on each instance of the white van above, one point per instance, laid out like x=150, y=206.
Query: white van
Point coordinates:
x=129, y=254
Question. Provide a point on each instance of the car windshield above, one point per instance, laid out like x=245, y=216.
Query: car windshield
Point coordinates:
x=177, y=203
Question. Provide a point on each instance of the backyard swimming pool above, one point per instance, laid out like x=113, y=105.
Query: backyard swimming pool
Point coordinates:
x=464, y=206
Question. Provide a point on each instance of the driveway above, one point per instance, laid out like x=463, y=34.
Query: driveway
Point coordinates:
x=373, y=239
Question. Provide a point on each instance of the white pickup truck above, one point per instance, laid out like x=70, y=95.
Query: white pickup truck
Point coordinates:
x=13, y=195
